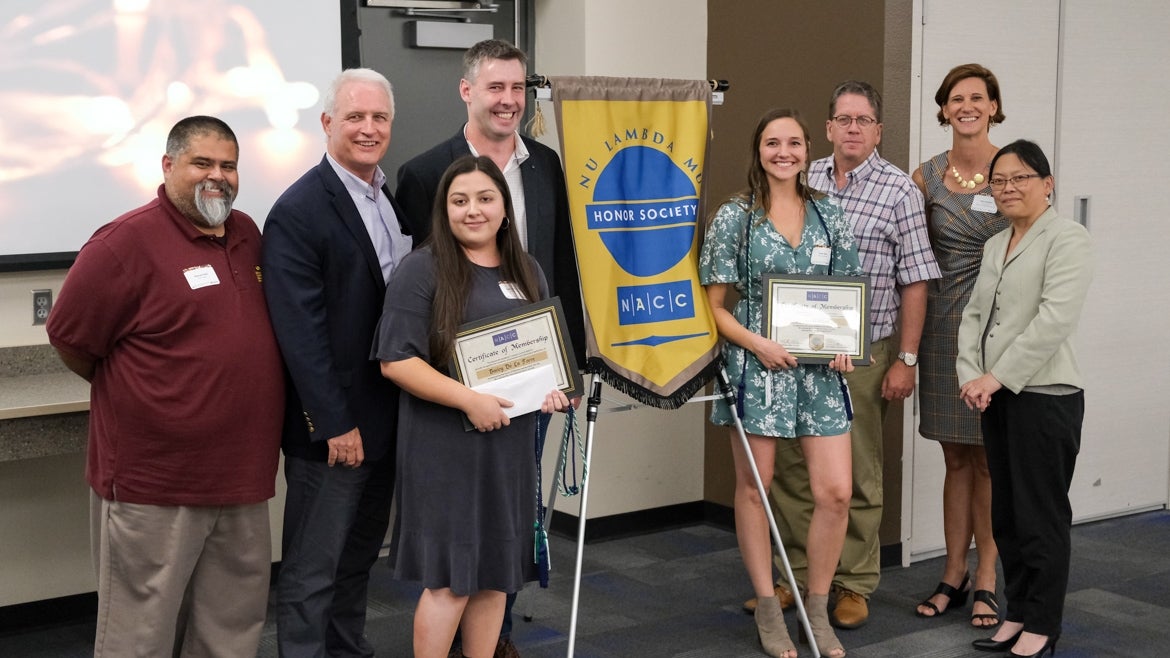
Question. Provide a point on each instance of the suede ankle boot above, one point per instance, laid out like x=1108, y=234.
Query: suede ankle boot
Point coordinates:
x=817, y=608
x=773, y=633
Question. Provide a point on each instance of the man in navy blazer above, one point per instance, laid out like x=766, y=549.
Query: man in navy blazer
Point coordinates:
x=330, y=243
x=494, y=89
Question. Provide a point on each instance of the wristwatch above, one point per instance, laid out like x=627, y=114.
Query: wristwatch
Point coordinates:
x=909, y=358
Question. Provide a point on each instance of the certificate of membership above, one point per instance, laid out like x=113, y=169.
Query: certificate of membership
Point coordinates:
x=502, y=352
x=817, y=317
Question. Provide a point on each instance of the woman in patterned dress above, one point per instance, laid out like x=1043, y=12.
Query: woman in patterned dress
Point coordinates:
x=779, y=224
x=961, y=216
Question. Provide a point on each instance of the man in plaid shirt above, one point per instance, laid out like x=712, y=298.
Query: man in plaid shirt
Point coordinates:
x=886, y=210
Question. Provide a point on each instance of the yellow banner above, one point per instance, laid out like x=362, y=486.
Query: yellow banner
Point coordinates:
x=633, y=152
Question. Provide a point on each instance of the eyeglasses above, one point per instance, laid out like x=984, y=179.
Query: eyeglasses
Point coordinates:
x=1016, y=181
x=843, y=121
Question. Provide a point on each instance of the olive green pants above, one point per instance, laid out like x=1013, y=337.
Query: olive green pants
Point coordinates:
x=791, y=495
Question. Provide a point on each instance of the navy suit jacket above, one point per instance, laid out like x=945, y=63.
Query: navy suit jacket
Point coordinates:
x=325, y=295
x=546, y=204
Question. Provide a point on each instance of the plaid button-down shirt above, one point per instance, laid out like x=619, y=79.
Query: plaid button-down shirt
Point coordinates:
x=886, y=210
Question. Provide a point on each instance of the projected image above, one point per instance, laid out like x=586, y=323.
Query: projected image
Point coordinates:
x=90, y=88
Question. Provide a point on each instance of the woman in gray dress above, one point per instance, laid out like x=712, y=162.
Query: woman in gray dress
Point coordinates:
x=962, y=216
x=466, y=501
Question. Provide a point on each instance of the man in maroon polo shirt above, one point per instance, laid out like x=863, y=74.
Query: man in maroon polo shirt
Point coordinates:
x=164, y=313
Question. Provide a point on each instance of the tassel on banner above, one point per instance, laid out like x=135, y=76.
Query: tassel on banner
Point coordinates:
x=535, y=126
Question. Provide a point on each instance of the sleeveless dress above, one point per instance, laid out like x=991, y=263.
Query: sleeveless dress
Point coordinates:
x=958, y=234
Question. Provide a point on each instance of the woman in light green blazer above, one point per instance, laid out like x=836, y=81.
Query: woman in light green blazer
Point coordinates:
x=1017, y=365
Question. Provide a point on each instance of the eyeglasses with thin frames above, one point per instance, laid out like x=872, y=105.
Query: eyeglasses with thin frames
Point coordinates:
x=1016, y=181
x=843, y=121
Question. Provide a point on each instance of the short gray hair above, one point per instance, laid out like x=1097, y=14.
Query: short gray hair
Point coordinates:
x=861, y=89
x=329, y=103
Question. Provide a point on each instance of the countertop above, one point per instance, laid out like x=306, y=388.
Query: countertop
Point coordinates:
x=44, y=408
x=42, y=395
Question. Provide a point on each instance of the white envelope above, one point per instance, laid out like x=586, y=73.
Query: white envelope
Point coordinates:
x=525, y=389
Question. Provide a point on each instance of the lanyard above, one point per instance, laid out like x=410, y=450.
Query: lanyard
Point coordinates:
x=740, y=393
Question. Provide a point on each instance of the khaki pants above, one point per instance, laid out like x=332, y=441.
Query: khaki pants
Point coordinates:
x=182, y=581
x=791, y=496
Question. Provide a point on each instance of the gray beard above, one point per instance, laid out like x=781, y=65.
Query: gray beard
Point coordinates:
x=214, y=209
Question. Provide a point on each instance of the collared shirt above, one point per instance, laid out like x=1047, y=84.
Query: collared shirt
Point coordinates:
x=886, y=211
x=515, y=185
x=185, y=350
x=378, y=215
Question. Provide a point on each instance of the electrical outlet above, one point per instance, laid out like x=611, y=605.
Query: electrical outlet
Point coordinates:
x=42, y=304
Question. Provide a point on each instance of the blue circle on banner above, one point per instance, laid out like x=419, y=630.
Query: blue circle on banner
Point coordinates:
x=637, y=175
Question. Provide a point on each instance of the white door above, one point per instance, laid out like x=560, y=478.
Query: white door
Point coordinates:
x=1112, y=143
x=1082, y=79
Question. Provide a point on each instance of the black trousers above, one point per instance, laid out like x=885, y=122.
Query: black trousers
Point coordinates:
x=1032, y=441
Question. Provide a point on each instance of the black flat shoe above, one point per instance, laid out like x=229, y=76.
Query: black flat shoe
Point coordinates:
x=956, y=598
x=988, y=644
x=1050, y=644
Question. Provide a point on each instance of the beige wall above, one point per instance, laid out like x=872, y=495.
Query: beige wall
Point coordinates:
x=648, y=38
x=897, y=79
x=644, y=458
x=16, y=327
x=44, y=546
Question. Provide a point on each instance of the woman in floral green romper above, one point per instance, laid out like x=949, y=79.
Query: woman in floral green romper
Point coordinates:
x=753, y=233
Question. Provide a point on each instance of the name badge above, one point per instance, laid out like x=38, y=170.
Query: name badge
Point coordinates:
x=201, y=276
x=512, y=291
x=983, y=203
x=821, y=255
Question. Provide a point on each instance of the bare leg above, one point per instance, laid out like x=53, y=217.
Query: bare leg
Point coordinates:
x=435, y=619
x=481, y=623
x=830, y=471
x=755, y=543
x=958, y=489
x=984, y=540
x=751, y=523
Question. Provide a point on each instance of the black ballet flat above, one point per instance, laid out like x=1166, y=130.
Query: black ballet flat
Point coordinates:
x=1050, y=644
x=988, y=644
x=956, y=598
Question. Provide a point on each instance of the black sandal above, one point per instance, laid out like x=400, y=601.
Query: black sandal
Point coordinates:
x=956, y=597
x=987, y=598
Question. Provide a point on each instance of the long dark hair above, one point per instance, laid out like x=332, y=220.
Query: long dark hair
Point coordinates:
x=756, y=196
x=453, y=270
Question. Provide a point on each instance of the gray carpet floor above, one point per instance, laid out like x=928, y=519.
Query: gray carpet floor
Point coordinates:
x=678, y=593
